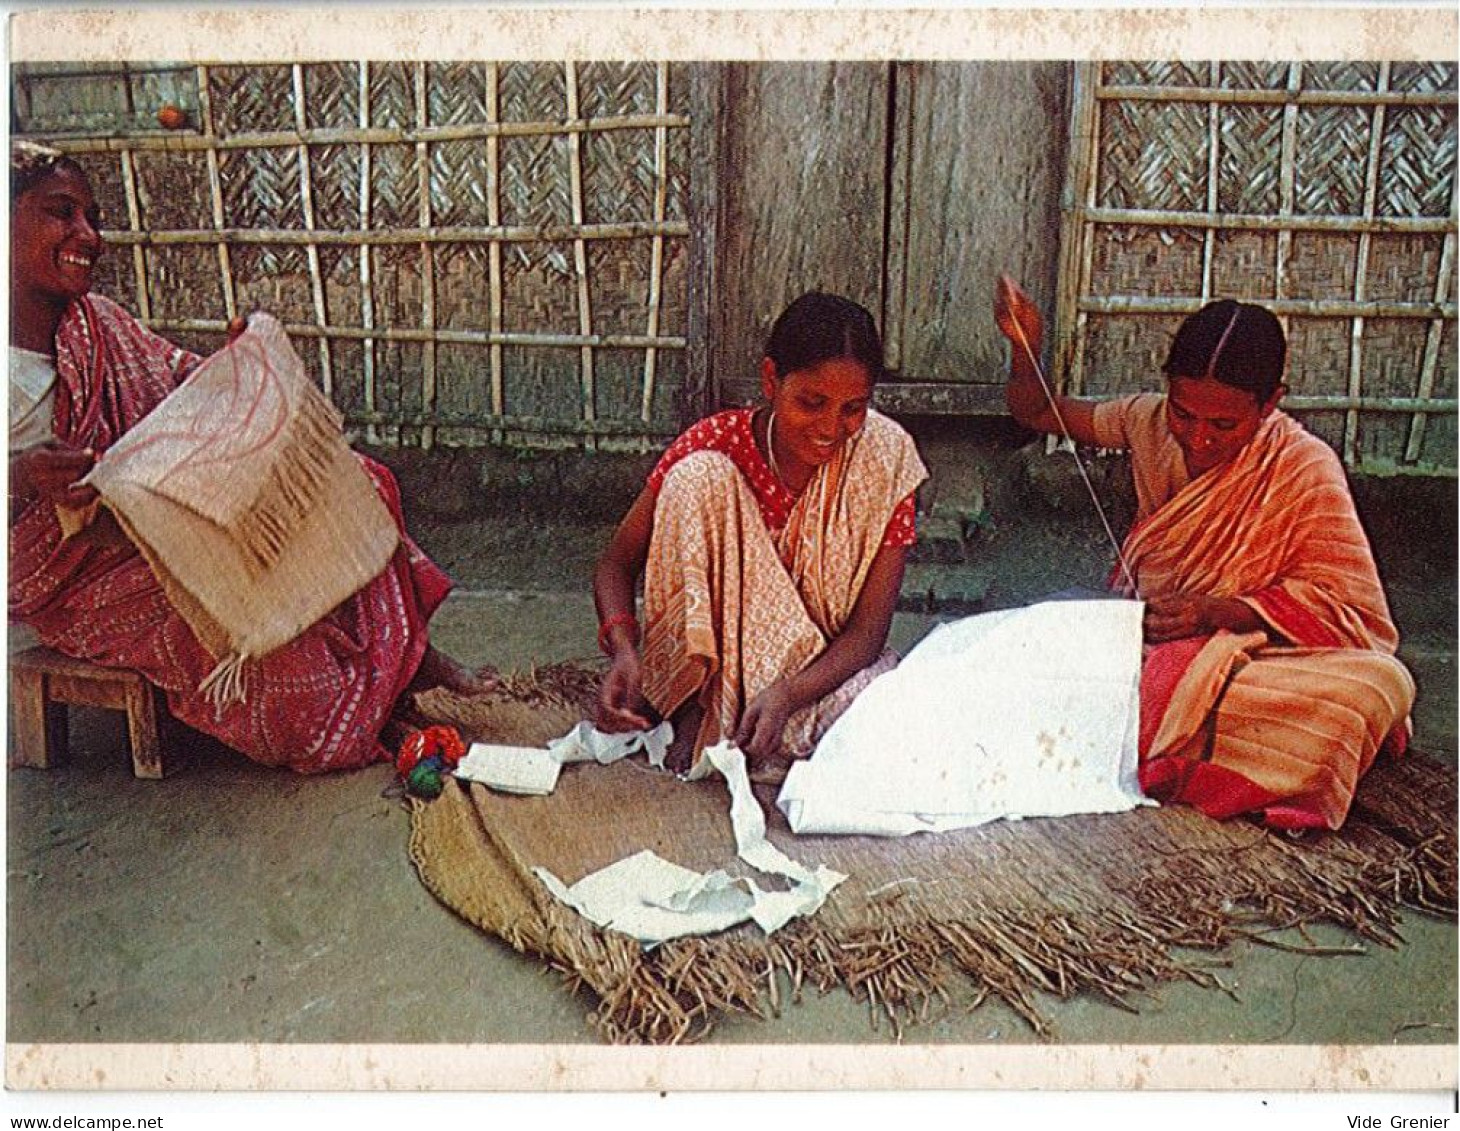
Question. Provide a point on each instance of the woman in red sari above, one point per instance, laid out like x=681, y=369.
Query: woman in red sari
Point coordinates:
x=1269, y=683
x=82, y=372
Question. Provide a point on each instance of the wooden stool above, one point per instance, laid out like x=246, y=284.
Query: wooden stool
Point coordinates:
x=43, y=682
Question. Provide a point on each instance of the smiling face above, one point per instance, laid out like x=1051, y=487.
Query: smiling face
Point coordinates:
x=54, y=240
x=1212, y=422
x=818, y=409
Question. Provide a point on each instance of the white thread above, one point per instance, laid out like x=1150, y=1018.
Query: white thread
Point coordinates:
x=1130, y=578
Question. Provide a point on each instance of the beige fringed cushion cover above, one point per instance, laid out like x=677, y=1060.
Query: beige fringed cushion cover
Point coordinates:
x=242, y=494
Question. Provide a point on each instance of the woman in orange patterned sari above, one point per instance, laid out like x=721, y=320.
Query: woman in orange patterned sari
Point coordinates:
x=771, y=542
x=1269, y=683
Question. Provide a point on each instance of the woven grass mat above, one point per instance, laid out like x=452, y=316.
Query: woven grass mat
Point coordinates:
x=1107, y=904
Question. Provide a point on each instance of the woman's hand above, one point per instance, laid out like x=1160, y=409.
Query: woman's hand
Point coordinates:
x=1181, y=615
x=51, y=471
x=621, y=696
x=1017, y=316
x=763, y=725
x=236, y=327
x=1030, y=397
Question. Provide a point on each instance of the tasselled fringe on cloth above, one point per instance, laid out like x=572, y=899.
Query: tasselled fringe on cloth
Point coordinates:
x=225, y=683
x=294, y=483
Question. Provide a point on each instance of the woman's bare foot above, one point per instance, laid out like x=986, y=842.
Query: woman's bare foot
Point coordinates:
x=440, y=670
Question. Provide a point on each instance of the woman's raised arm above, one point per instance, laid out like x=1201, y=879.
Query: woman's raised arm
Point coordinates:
x=1029, y=403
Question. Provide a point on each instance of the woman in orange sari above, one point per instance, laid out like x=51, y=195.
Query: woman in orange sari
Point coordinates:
x=1269, y=683
x=771, y=542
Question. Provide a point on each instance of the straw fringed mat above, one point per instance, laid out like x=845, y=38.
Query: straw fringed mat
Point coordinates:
x=1108, y=904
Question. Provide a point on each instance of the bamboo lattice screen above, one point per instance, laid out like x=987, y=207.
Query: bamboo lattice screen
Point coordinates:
x=1325, y=191
x=463, y=252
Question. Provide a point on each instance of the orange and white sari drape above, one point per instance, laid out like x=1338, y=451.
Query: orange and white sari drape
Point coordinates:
x=1283, y=721
x=730, y=606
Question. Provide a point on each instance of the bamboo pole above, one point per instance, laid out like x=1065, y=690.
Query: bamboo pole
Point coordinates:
x=1306, y=308
x=306, y=203
x=1433, y=335
x=377, y=135
x=1361, y=274
x=494, y=247
x=656, y=256
x=1249, y=222
x=428, y=261
x=1287, y=187
x=475, y=422
x=580, y=249
x=215, y=193
x=139, y=256
x=366, y=253
x=1077, y=251
x=1136, y=93
x=395, y=237
x=1214, y=173
x=446, y=336
x=1427, y=405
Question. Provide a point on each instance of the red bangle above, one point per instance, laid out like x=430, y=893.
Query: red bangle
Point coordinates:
x=627, y=620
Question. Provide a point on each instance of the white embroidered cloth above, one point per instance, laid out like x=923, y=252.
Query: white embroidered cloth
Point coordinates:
x=1029, y=712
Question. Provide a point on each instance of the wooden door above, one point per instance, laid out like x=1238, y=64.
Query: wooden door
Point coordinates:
x=908, y=187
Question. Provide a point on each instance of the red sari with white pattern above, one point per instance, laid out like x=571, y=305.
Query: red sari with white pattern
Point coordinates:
x=316, y=704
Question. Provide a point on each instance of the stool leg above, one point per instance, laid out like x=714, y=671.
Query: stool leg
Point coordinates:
x=142, y=730
x=40, y=735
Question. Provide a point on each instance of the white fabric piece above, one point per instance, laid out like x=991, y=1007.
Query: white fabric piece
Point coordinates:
x=1020, y=713
x=586, y=743
x=511, y=769
x=534, y=770
x=32, y=398
x=809, y=889
x=653, y=899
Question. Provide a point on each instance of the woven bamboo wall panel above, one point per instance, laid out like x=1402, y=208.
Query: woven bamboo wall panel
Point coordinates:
x=172, y=190
x=183, y=282
x=1157, y=157
x=1239, y=264
x=462, y=248
x=1330, y=177
x=332, y=95
x=1318, y=355
x=1126, y=354
x=1323, y=190
x=1403, y=268
x=1248, y=180
x=1343, y=76
x=1415, y=184
x=254, y=99
x=1247, y=76
x=1144, y=262
x=1320, y=266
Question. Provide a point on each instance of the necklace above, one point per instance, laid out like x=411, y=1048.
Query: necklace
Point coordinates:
x=770, y=450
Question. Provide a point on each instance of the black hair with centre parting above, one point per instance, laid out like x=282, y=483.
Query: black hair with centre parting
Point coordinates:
x=1237, y=343
x=819, y=327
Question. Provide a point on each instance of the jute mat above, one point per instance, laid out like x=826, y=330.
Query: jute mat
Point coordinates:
x=1108, y=904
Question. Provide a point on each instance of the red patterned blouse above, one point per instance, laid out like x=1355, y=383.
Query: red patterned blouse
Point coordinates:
x=730, y=432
